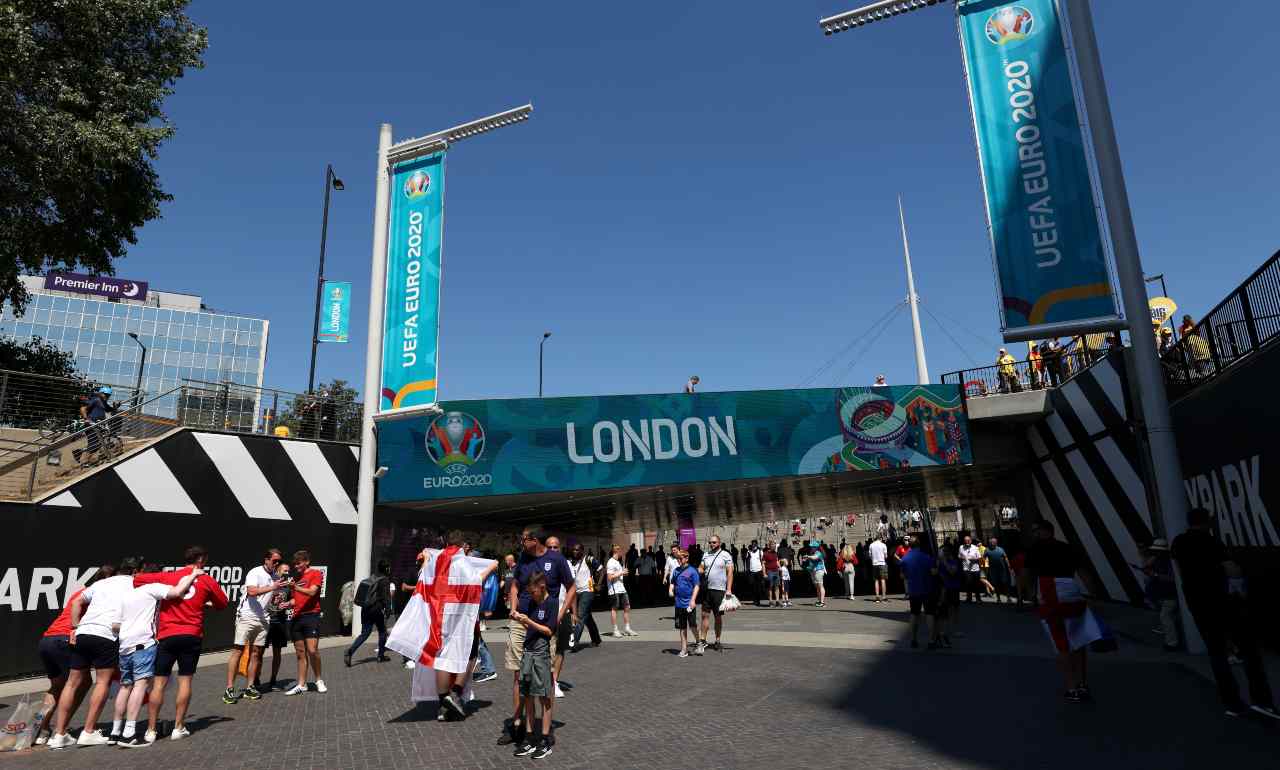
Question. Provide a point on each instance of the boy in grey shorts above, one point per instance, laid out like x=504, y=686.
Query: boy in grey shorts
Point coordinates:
x=537, y=614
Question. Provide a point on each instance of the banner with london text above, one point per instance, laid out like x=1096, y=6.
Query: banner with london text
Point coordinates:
x=411, y=320
x=515, y=446
x=1051, y=267
x=335, y=312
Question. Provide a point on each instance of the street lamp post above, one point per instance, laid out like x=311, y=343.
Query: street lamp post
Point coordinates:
x=1154, y=424
x=137, y=389
x=541, y=344
x=389, y=153
x=331, y=183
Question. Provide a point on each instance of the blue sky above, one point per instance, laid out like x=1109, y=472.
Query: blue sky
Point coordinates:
x=695, y=193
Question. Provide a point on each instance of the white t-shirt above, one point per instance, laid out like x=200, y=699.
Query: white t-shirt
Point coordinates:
x=670, y=569
x=581, y=576
x=615, y=586
x=786, y=573
x=753, y=560
x=138, y=616
x=715, y=566
x=879, y=551
x=254, y=607
x=105, y=598
x=969, y=557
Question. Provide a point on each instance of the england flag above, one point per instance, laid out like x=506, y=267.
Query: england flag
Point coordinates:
x=437, y=627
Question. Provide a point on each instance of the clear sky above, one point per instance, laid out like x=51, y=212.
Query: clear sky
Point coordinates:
x=695, y=193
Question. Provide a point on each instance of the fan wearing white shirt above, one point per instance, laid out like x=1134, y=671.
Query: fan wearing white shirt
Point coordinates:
x=618, y=593
x=251, y=625
x=880, y=568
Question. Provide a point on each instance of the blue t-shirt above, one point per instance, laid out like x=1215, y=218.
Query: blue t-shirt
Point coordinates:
x=916, y=566
x=686, y=581
x=553, y=565
x=543, y=613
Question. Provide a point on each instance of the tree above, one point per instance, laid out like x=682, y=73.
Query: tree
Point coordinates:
x=81, y=88
x=40, y=384
x=36, y=357
x=330, y=411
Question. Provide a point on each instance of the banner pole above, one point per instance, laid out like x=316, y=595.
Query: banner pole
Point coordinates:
x=1169, y=514
x=372, y=368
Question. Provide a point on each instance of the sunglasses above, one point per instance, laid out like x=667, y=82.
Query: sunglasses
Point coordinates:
x=553, y=548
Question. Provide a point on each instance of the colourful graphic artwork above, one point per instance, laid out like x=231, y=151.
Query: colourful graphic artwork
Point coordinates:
x=919, y=427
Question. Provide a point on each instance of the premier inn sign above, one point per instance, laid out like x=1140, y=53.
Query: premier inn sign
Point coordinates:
x=117, y=288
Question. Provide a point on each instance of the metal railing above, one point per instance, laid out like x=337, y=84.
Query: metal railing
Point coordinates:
x=70, y=450
x=1023, y=375
x=36, y=408
x=1245, y=321
x=248, y=409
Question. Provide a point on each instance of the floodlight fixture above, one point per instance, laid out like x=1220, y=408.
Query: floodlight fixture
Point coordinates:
x=874, y=12
x=440, y=140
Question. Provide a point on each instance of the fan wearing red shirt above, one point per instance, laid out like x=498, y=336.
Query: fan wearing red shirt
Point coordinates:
x=179, y=637
x=305, y=629
x=898, y=554
x=55, y=654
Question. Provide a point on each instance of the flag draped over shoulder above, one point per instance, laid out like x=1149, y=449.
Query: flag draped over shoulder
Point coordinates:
x=437, y=627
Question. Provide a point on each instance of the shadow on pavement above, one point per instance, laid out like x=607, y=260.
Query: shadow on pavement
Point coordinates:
x=427, y=712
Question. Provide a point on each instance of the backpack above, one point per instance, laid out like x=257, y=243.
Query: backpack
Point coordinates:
x=489, y=600
x=366, y=593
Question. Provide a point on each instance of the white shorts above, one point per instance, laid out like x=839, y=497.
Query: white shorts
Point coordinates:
x=250, y=631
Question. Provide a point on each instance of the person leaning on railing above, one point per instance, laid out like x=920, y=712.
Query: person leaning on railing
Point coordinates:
x=1196, y=349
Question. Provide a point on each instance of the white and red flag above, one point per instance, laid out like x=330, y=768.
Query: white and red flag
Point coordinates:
x=438, y=624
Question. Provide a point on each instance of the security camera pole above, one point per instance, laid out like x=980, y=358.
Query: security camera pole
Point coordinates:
x=1154, y=424
x=389, y=154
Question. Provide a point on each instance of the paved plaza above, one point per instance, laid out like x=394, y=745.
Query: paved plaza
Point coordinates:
x=834, y=687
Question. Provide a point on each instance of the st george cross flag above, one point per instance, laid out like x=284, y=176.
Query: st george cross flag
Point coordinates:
x=437, y=627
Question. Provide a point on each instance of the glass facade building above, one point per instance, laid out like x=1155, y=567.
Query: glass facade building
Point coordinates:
x=185, y=340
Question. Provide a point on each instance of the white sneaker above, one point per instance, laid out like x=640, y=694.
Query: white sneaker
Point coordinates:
x=629, y=632
x=559, y=692
x=483, y=626
x=179, y=733
x=617, y=633
x=150, y=736
x=61, y=741
x=297, y=689
x=42, y=738
x=408, y=664
x=95, y=738
x=320, y=686
x=571, y=642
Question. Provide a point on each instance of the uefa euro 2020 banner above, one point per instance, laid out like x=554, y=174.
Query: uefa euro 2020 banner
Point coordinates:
x=411, y=325
x=1048, y=245
x=335, y=314
x=532, y=445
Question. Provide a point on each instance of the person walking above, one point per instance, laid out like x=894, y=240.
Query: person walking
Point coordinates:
x=899, y=553
x=684, y=592
x=971, y=566
x=1216, y=593
x=716, y=573
x=949, y=580
x=918, y=574
x=999, y=571
x=304, y=631
x=1064, y=612
x=583, y=568
x=1162, y=591
x=646, y=577
x=618, y=598
x=847, y=566
x=880, y=568
x=373, y=613
x=251, y=621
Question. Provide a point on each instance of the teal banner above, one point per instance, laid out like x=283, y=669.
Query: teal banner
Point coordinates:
x=1048, y=246
x=528, y=445
x=335, y=312
x=411, y=323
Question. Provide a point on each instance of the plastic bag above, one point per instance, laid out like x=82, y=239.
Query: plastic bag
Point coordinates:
x=729, y=603
x=19, y=728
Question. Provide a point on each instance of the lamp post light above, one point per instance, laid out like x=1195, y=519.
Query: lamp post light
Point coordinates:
x=137, y=389
x=390, y=153
x=1154, y=425
x=541, y=344
x=331, y=182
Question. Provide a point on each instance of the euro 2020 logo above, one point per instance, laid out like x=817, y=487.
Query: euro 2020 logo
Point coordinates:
x=455, y=441
x=417, y=185
x=1010, y=24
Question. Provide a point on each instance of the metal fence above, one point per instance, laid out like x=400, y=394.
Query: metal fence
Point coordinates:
x=36, y=407
x=1026, y=374
x=1246, y=320
x=245, y=409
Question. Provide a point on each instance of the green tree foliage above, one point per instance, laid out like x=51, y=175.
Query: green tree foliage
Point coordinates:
x=82, y=83
x=41, y=384
x=36, y=357
x=331, y=411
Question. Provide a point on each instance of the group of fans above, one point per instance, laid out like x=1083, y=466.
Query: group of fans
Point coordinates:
x=134, y=623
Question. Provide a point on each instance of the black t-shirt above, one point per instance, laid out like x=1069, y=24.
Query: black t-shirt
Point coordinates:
x=1200, y=557
x=1052, y=558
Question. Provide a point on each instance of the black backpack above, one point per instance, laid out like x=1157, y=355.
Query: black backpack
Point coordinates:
x=367, y=592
